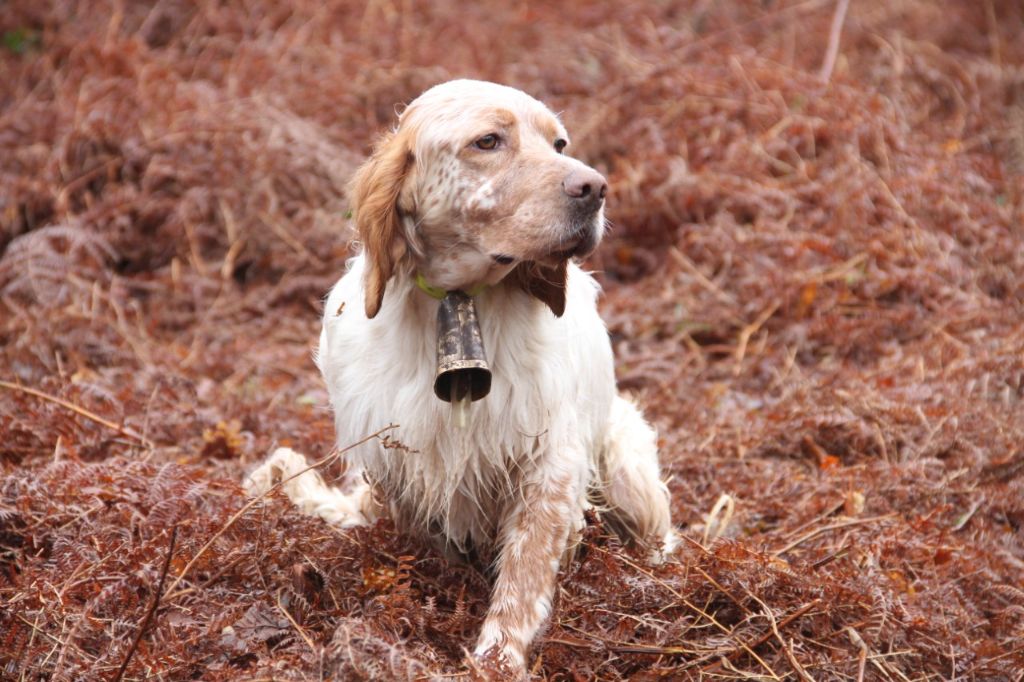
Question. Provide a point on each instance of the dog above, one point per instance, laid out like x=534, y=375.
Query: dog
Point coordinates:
x=473, y=192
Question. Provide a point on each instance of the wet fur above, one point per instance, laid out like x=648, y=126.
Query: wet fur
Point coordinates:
x=553, y=437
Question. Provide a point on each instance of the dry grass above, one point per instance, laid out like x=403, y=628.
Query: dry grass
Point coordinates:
x=815, y=286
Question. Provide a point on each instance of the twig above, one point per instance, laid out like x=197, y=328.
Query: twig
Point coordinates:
x=967, y=516
x=725, y=501
x=1003, y=470
x=724, y=591
x=757, y=22
x=152, y=607
x=758, y=641
x=648, y=649
x=829, y=511
x=702, y=279
x=691, y=605
x=617, y=646
x=824, y=529
x=877, y=660
x=67, y=643
x=249, y=505
x=699, y=610
x=862, y=659
x=993, y=34
x=696, y=544
x=35, y=629
x=637, y=567
x=746, y=333
x=829, y=63
x=298, y=628
x=987, y=661
x=213, y=578
x=786, y=648
x=123, y=430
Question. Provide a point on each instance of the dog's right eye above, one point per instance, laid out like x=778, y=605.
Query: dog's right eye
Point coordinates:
x=487, y=142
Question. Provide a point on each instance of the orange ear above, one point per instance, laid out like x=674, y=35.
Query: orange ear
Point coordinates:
x=375, y=191
x=546, y=284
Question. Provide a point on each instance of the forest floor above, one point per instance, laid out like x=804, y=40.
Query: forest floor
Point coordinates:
x=814, y=287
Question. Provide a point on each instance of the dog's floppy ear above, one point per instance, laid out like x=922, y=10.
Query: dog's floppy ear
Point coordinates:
x=375, y=193
x=544, y=283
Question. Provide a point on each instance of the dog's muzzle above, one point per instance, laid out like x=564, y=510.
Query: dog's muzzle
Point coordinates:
x=462, y=368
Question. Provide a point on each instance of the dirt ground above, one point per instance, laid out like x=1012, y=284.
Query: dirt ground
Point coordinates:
x=814, y=286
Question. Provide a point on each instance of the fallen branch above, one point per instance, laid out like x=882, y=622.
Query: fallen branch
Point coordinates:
x=123, y=430
x=152, y=607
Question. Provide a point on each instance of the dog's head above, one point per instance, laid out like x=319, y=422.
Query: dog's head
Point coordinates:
x=472, y=188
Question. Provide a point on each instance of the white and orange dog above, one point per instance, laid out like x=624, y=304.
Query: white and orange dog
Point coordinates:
x=472, y=192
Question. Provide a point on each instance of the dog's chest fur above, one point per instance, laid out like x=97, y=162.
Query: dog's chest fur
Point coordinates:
x=551, y=391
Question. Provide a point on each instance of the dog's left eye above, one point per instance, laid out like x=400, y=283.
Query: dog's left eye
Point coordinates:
x=560, y=145
x=487, y=142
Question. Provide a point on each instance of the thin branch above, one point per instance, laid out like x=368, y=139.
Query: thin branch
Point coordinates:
x=758, y=641
x=829, y=63
x=123, y=430
x=298, y=628
x=212, y=579
x=824, y=529
x=746, y=333
x=249, y=505
x=787, y=648
x=152, y=607
x=711, y=619
x=862, y=647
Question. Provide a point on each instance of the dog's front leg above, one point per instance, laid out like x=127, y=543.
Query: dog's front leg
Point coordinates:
x=532, y=538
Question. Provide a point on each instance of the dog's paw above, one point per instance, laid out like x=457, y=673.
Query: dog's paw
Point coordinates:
x=282, y=463
x=661, y=554
x=307, y=489
x=494, y=663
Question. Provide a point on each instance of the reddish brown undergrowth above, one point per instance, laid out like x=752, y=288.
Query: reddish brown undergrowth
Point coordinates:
x=815, y=287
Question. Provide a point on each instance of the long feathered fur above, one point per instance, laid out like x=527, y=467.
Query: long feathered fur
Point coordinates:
x=553, y=436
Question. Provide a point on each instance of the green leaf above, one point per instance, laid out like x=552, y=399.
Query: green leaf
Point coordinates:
x=20, y=40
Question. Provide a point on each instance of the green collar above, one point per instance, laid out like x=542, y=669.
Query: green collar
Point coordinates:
x=438, y=292
x=432, y=292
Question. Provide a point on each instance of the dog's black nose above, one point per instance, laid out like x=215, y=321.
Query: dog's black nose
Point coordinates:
x=586, y=185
